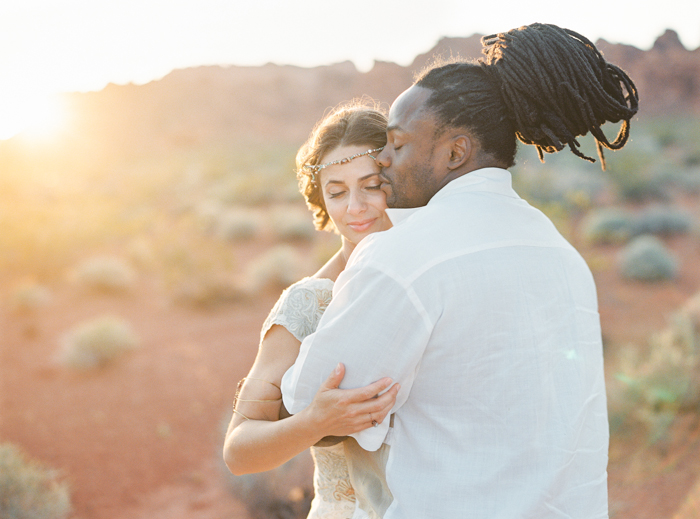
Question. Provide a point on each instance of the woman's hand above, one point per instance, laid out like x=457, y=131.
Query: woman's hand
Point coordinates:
x=340, y=412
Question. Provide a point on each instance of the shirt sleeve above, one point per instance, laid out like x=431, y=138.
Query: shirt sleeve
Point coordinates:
x=376, y=326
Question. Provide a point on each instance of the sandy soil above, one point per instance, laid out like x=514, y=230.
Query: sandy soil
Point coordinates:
x=141, y=438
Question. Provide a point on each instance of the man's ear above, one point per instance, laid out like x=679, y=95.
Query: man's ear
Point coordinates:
x=461, y=150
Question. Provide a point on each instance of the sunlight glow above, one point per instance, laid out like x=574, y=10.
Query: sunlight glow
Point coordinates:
x=35, y=115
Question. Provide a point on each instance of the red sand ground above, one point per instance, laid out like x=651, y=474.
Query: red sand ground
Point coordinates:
x=141, y=438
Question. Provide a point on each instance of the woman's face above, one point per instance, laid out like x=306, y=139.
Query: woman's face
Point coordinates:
x=352, y=194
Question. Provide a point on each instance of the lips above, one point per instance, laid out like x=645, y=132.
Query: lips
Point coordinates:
x=361, y=225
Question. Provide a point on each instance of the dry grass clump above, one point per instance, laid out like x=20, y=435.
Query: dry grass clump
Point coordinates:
x=29, y=490
x=97, y=343
x=29, y=297
x=278, y=268
x=647, y=259
x=106, y=274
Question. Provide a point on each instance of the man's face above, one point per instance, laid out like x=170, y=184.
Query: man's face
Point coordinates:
x=411, y=158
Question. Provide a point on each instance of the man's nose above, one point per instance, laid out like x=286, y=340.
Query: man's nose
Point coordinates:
x=382, y=159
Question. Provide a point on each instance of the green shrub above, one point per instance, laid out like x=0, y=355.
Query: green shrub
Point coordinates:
x=647, y=259
x=278, y=268
x=29, y=490
x=105, y=274
x=608, y=225
x=663, y=221
x=97, y=343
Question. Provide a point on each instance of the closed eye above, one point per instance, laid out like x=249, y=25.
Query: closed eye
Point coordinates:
x=336, y=195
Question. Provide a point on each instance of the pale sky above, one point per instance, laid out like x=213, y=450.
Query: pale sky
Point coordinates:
x=79, y=45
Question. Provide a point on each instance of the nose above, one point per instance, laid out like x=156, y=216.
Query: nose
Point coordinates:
x=382, y=159
x=356, y=203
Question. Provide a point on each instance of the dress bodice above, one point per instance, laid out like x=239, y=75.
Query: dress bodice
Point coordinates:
x=299, y=309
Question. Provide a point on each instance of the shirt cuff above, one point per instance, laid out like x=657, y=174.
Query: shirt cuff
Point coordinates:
x=371, y=439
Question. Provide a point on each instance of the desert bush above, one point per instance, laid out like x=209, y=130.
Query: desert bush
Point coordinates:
x=637, y=176
x=278, y=268
x=663, y=221
x=666, y=381
x=281, y=493
x=238, y=225
x=209, y=292
x=29, y=490
x=647, y=259
x=29, y=296
x=105, y=274
x=608, y=225
x=291, y=224
x=97, y=343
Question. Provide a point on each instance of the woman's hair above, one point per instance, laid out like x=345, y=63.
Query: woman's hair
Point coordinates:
x=544, y=84
x=357, y=123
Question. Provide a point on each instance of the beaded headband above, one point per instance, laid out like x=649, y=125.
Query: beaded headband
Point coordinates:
x=314, y=169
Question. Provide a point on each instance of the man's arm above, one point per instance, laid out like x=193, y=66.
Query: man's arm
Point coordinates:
x=377, y=327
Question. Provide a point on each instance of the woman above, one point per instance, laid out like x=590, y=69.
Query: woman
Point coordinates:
x=340, y=181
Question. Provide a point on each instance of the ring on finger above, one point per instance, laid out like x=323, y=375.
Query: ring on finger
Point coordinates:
x=375, y=423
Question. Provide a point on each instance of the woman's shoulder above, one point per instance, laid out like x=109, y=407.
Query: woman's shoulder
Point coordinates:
x=300, y=307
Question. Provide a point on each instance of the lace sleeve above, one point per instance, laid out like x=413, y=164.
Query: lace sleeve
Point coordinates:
x=300, y=307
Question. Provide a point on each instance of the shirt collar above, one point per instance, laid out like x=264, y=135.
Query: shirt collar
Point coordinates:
x=494, y=180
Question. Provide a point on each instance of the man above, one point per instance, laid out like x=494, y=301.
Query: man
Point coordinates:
x=478, y=307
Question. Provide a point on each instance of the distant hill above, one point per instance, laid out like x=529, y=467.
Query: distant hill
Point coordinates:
x=281, y=103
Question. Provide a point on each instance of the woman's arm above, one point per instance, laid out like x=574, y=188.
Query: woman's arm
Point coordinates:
x=257, y=440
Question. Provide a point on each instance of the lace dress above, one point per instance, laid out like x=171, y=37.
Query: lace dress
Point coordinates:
x=299, y=310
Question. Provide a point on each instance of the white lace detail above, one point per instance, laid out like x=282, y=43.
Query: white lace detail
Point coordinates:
x=299, y=309
x=334, y=496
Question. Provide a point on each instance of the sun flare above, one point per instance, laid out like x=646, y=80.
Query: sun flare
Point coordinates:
x=37, y=116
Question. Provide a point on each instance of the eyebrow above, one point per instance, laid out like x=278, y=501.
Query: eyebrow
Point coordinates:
x=393, y=127
x=331, y=181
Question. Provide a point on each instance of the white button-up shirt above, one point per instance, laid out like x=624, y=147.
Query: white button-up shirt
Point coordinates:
x=488, y=319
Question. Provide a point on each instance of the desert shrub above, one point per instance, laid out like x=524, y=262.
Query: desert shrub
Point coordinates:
x=291, y=224
x=29, y=296
x=666, y=381
x=281, y=493
x=97, y=343
x=237, y=225
x=637, y=176
x=278, y=268
x=663, y=221
x=608, y=225
x=647, y=259
x=29, y=490
x=105, y=274
x=255, y=188
x=208, y=292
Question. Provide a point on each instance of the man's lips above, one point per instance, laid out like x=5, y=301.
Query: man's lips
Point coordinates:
x=361, y=225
